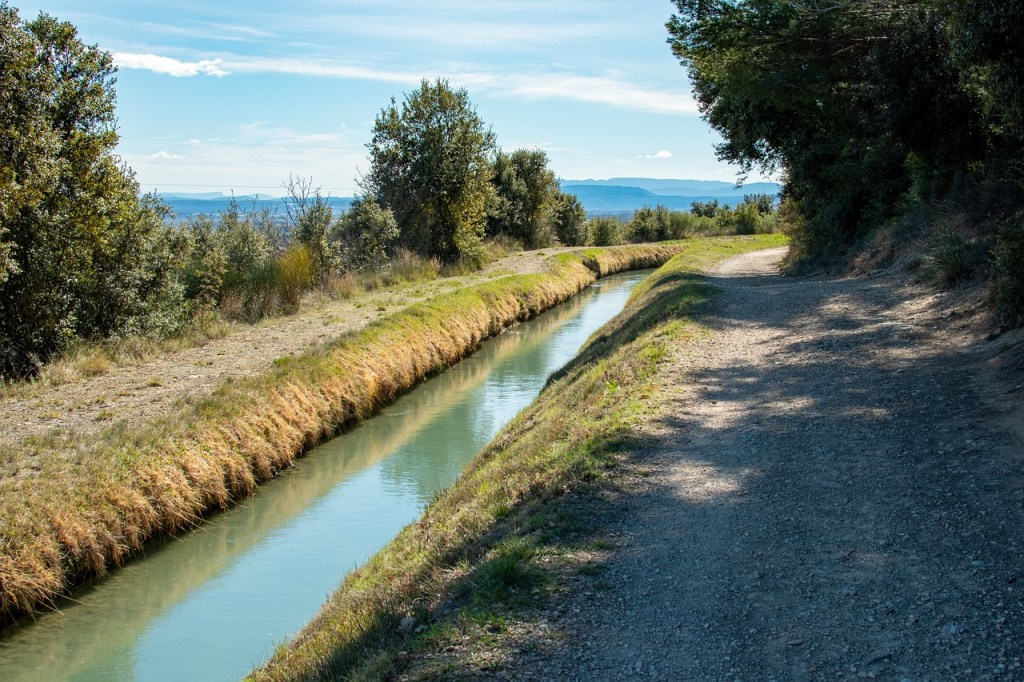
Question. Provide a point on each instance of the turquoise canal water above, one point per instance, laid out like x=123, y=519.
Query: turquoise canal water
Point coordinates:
x=213, y=603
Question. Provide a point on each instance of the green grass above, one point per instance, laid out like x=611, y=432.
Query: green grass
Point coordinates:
x=479, y=548
x=72, y=507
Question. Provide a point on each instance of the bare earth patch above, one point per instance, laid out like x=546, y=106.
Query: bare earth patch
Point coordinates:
x=831, y=489
x=132, y=394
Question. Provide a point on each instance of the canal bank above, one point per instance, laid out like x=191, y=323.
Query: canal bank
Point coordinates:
x=248, y=578
x=478, y=546
x=89, y=504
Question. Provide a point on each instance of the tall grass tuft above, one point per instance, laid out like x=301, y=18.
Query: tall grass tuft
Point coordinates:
x=296, y=271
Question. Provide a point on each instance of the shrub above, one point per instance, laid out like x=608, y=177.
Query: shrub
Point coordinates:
x=953, y=255
x=296, y=273
x=206, y=264
x=1006, y=290
x=606, y=231
x=365, y=234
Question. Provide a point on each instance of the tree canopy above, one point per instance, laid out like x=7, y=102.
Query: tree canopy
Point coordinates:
x=838, y=95
x=430, y=163
x=80, y=253
x=872, y=109
x=526, y=198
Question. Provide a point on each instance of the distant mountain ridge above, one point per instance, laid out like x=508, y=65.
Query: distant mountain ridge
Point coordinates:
x=683, y=188
x=622, y=196
x=614, y=196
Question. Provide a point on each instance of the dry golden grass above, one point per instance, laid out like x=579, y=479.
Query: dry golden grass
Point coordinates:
x=564, y=441
x=91, y=502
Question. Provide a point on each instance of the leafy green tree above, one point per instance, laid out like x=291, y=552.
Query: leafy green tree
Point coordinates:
x=81, y=254
x=570, y=220
x=605, y=231
x=764, y=203
x=430, y=164
x=705, y=209
x=527, y=193
x=649, y=224
x=837, y=95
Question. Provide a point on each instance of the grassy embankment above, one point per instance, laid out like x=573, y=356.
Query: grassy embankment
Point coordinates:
x=477, y=548
x=84, y=504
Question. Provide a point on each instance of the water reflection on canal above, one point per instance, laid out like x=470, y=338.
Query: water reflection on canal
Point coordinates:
x=213, y=603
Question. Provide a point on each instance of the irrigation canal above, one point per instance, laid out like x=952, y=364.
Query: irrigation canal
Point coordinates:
x=213, y=603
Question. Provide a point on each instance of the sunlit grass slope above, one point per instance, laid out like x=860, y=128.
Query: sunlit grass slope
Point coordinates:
x=87, y=503
x=479, y=538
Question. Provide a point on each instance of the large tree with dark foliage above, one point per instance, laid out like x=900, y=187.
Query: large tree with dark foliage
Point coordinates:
x=858, y=103
x=80, y=254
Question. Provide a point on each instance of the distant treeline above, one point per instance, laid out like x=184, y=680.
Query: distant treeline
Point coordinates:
x=893, y=123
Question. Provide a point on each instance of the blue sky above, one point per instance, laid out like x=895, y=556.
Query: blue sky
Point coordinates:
x=220, y=96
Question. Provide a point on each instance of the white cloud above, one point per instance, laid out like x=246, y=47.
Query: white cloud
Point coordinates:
x=615, y=90
x=663, y=154
x=606, y=90
x=165, y=155
x=170, y=66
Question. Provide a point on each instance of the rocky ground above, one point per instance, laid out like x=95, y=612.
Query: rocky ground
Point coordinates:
x=832, y=490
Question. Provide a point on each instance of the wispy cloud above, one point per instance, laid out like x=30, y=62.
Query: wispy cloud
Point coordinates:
x=663, y=154
x=165, y=155
x=169, y=65
x=608, y=90
x=247, y=31
x=612, y=90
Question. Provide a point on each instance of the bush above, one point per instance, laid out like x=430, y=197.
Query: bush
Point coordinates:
x=205, y=265
x=605, y=231
x=365, y=234
x=646, y=225
x=296, y=271
x=952, y=256
x=1006, y=290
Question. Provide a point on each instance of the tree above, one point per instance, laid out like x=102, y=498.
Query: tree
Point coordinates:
x=430, y=165
x=527, y=193
x=80, y=254
x=570, y=220
x=838, y=95
x=705, y=209
x=650, y=224
x=764, y=202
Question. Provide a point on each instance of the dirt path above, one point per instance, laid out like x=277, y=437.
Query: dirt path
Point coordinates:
x=833, y=490
x=134, y=393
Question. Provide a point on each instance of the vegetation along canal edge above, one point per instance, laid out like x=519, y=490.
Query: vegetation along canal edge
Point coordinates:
x=476, y=550
x=95, y=500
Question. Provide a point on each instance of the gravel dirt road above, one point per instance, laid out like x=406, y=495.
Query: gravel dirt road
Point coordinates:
x=832, y=491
